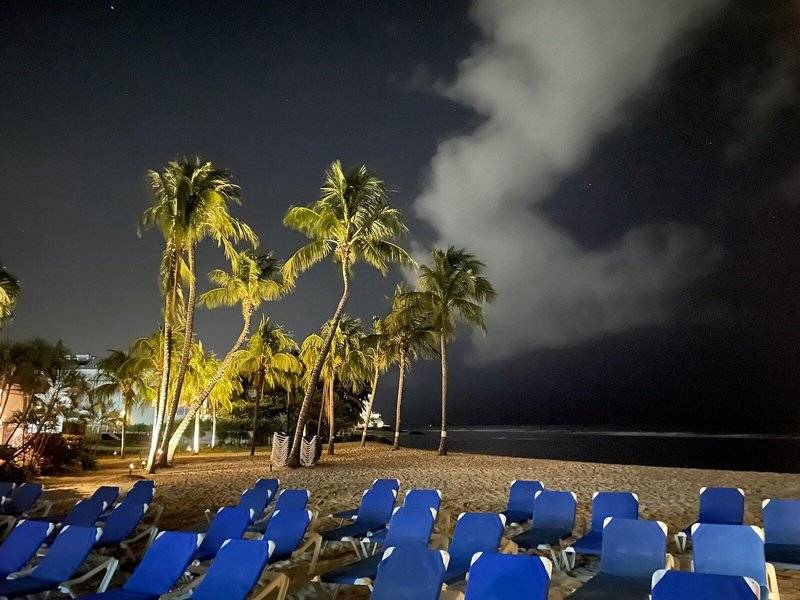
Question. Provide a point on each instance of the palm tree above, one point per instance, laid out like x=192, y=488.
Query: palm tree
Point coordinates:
x=352, y=221
x=9, y=292
x=191, y=202
x=409, y=336
x=451, y=288
x=379, y=355
x=271, y=360
x=122, y=374
x=252, y=280
x=346, y=363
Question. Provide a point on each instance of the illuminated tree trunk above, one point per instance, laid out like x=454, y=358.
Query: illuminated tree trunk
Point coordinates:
x=443, y=435
x=375, y=377
x=196, y=437
x=399, y=407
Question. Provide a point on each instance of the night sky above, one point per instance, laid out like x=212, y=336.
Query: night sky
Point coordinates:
x=653, y=280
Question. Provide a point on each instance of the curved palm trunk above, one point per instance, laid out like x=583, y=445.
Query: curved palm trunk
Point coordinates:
x=173, y=401
x=443, y=438
x=259, y=398
x=331, y=421
x=399, y=407
x=166, y=355
x=213, y=426
x=247, y=314
x=375, y=376
x=124, y=426
x=311, y=386
x=196, y=436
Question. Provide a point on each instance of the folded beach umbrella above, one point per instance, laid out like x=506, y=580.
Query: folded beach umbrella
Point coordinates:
x=733, y=550
x=66, y=555
x=409, y=527
x=521, y=498
x=508, y=577
x=392, y=581
x=235, y=571
x=161, y=567
x=553, y=521
x=632, y=551
x=474, y=532
x=782, y=533
x=21, y=544
x=623, y=505
x=392, y=484
x=718, y=506
x=229, y=523
x=373, y=514
x=682, y=585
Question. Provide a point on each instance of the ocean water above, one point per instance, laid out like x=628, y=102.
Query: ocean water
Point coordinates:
x=739, y=452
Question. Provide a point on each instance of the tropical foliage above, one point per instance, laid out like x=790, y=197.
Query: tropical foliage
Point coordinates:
x=9, y=291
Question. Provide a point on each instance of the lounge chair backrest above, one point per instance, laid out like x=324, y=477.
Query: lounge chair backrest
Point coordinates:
x=475, y=532
x=164, y=562
x=24, y=497
x=376, y=506
x=521, y=495
x=508, y=576
x=684, y=585
x=555, y=511
x=85, y=512
x=410, y=526
x=256, y=500
x=142, y=492
x=229, y=523
x=623, y=505
x=235, y=571
x=721, y=505
x=269, y=484
x=67, y=553
x=730, y=550
x=107, y=494
x=6, y=487
x=782, y=522
x=633, y=548
x=122, y=522
x=21, y=545
x=424, y=498
x=292, y=499
x=393, y=580
x=287, y=528
x=388, y=483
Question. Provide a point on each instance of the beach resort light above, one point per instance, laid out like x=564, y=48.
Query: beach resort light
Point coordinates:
x=131, y=467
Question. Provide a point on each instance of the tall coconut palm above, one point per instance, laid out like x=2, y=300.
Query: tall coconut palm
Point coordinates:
x=452, y=287
x=270, y=359
x=409, y=336
x=251, y=281
x=346, y=363
x=353, y=222
x=122, y=374
x=9, y=292
x=379, y=355
x=191, y=202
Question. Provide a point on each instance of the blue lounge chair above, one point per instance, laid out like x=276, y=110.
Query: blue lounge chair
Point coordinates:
x=416, y=498
x=6, y=487
x=474, y=532
x=632, y=551
x=521, y=498
x=124, y=529
x=141, y=492
x=21, y=544
x=373, y=515
x=408, y=527
x=235, y=571
x=392, y=581
x=84, y=513
x=718, y=506
x=107, y=494
x=269, y=484
x=253, y=499
x=508, y=577
x=349, y=515
x=289, y=499
x=782, y=533
x=289, y=531
x=553, y=521
x=682, y=585
x=733, y=550
x=229, y=523
x=22, y=500
x=54, y=570
x=162, y=565
x=622, y=505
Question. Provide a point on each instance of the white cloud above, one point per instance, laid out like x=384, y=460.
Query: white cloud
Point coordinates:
x=550, y=77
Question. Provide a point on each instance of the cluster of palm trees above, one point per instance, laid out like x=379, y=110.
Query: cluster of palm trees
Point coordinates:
x=9, y=292
x=351, y=222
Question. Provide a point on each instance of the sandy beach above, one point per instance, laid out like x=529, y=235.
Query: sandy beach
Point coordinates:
x=468, y=483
